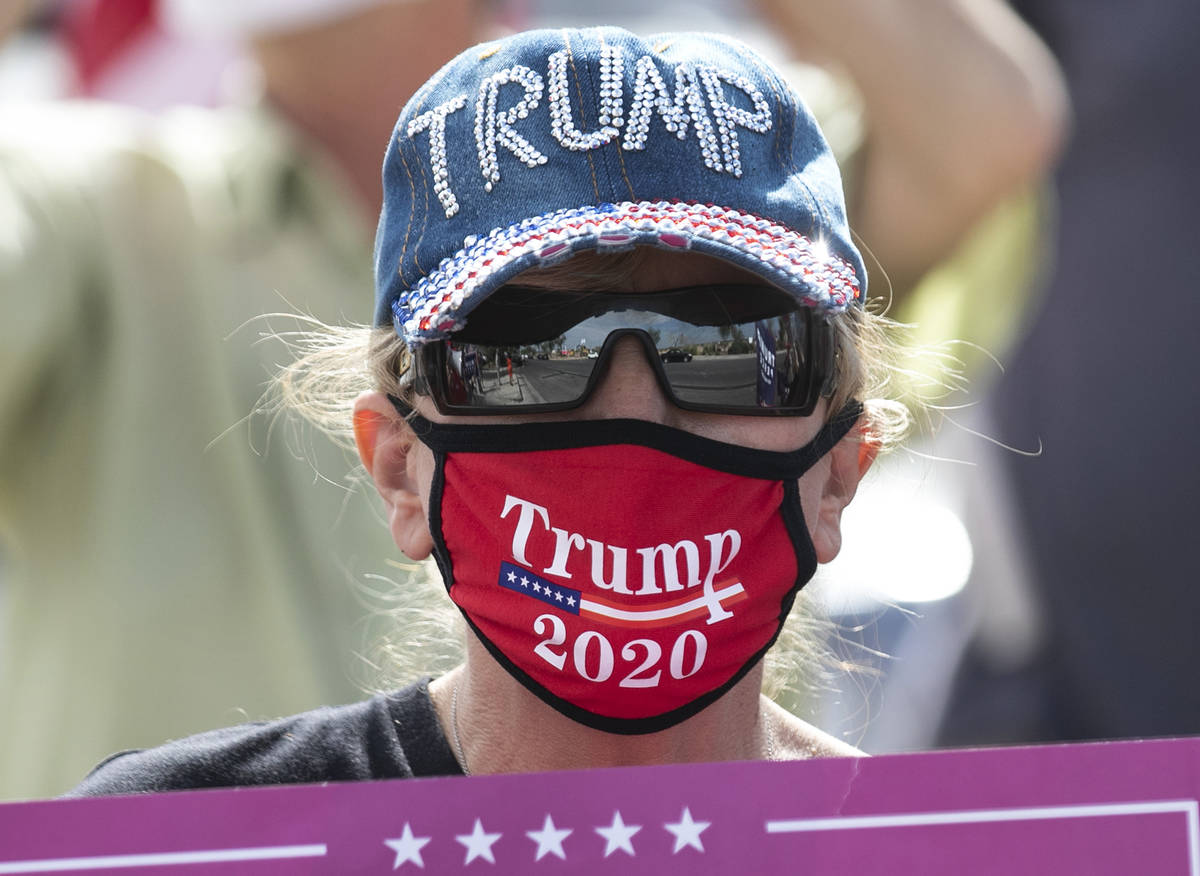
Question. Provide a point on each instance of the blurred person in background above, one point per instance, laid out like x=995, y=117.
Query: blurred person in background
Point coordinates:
x=945, y=135
x=159, y=575
x=1109, y=515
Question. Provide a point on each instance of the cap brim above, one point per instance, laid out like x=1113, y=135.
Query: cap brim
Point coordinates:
x=440, y=303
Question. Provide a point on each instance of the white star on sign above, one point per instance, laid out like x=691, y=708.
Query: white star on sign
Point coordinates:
x=687, y=832
x=407, y=847
x=512, y=576
x=558, y=595
x=478, y=844
x=525, y=582
x=549, y=839
x=536, y=588
x=570, y=600
x=618, y=836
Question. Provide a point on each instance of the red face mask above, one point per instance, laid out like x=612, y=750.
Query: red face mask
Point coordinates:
x=626, y=573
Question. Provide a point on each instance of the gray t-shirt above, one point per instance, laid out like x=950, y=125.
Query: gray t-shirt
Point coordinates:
x=390, y=736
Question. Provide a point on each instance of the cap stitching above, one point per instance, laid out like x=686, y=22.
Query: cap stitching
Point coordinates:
x=419, y=104
x=602, y=159
x=582, y=117
x=790, y=160
x=412, y=186
x=424, y=218
x=617, y=143
x=417, y=110
x=784, y=158
x=624, y=173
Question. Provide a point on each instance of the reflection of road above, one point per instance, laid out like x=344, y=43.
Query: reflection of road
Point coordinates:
x=725, y=379
x=548, y=381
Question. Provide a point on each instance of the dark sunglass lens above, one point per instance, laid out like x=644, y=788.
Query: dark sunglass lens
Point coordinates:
x=721, y=374
x=785, y=366
x=765, y=364
x=484, y=377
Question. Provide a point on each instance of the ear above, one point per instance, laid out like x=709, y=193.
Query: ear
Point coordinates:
x=391, y=455
x=849, y=461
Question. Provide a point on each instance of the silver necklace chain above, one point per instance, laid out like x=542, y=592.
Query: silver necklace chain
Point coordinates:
x=769, y=733
x=458, y=746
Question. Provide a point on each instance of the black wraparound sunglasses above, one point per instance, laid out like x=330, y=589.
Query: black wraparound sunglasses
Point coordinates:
x=744, y=349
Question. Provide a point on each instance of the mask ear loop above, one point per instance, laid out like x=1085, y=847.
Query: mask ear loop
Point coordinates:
x=419, y=424
x=838, y=427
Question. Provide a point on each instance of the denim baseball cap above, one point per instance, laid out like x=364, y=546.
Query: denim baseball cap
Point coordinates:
x=522, y=151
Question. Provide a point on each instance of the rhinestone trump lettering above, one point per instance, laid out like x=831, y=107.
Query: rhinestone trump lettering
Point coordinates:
x=701, y=100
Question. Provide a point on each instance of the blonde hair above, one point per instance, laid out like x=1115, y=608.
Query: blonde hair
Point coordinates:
x=333, y=365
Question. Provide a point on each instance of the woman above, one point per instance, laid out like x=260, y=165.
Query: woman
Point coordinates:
x=624, y=536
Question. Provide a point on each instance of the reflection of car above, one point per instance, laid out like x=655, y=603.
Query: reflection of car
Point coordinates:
x=543, y=355
x=674, y=354
x=594, y=354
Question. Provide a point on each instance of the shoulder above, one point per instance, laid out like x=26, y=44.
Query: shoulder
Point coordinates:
x=811, y=742
x=388, y=736
x=82, y=149
x=84, y=174
x=799, y=740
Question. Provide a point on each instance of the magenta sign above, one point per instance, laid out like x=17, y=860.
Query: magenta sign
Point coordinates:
x=1099, y=809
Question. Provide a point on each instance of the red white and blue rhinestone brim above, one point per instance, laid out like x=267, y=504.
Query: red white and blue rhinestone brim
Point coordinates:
x=440, y=302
